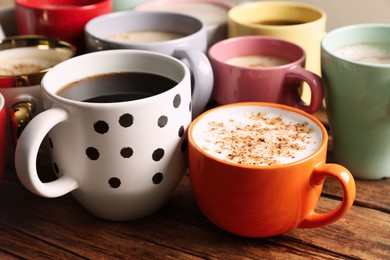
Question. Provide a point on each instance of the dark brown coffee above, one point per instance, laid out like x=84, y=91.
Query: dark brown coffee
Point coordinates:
x=116, y=87
x=279, y=22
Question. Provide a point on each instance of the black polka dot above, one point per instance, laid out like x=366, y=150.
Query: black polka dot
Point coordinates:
x=162, y=121
x=126, y=152
x=177, y=101
x=184, y=146
x=51, y=143
x=114, y=182
x=181, y=131
x=56, y=169
x=101, y=127
x=158, y=154
x=157, y=178
x=92, y=153
x=126, y=120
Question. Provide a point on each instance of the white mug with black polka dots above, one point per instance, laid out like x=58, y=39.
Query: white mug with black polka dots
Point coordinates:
x=118, y=144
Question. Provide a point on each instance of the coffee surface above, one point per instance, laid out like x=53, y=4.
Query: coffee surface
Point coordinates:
x=145, y=36
x=116, y=87
x=374, y=53
x=257, y=61
x=258, y=138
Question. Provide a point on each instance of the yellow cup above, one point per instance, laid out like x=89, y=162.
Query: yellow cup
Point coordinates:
x=300, y=23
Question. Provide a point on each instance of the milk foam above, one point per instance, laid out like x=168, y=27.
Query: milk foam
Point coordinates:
x=28, y=60
x=257, y=61
x=145, y=36
x=366, y=52
x=268, y=136
x=207, y=13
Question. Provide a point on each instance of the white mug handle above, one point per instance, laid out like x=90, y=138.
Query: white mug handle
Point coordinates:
x=203, y=77
x=26, y=155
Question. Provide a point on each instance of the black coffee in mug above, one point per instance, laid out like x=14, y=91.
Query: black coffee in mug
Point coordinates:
x=116, y=87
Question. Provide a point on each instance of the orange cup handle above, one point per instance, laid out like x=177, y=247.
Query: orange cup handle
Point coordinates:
x=344, y=177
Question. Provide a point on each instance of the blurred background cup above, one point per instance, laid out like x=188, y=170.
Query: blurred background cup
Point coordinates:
x=7, y=17
x=64, y=19
x=211, y=12
x=249, y=181
x=126, y=5
x=181, y=36
x=24, y=61
x=300, y=23
x=3, y=141
x=2, y=35
x=356, y=73
x=117, y=123
x=262, y=68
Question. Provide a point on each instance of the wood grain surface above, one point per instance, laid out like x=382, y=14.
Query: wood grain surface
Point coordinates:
x=32, y=227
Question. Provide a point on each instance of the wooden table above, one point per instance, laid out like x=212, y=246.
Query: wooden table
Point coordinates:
x=32, y=227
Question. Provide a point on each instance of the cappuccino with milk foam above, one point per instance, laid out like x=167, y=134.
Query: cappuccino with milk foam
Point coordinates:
x=257, y=61
x=258, y=136
x=145, y=36
x=29, y=60
x=374, y=53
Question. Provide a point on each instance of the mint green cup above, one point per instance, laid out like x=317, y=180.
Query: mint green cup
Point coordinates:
x=357, y=95
x=125, y=5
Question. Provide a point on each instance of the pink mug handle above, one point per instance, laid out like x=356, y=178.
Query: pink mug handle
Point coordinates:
x=316, y=89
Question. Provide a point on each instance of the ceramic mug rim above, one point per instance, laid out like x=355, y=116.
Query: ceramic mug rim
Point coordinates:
x=92, y=31
x=269, y=40
x=326, y=42
x=20, y=41
x=51, y=92
x=33, y=5
x=314, y=120
x=2, y=102
x=233, y=14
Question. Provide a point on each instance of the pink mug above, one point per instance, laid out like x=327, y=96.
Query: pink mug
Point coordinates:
x=63, y=19
x=263, y=69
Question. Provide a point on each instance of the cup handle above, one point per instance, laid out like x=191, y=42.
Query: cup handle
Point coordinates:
x=26, y=155
x=2, y=34
x=316, y=89
x=203, y=77
x=20, y=115
x=344, y=177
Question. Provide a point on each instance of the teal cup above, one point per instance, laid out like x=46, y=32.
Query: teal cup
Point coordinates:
x=355, y=63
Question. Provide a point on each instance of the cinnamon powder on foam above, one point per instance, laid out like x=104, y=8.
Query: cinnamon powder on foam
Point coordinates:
x=261, y=141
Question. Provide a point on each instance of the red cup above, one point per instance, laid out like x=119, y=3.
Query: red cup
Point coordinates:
x=64, y=19
x=3, y=144
x=21, y=88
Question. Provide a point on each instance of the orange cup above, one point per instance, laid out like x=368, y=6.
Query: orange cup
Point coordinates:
x=242, y=196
